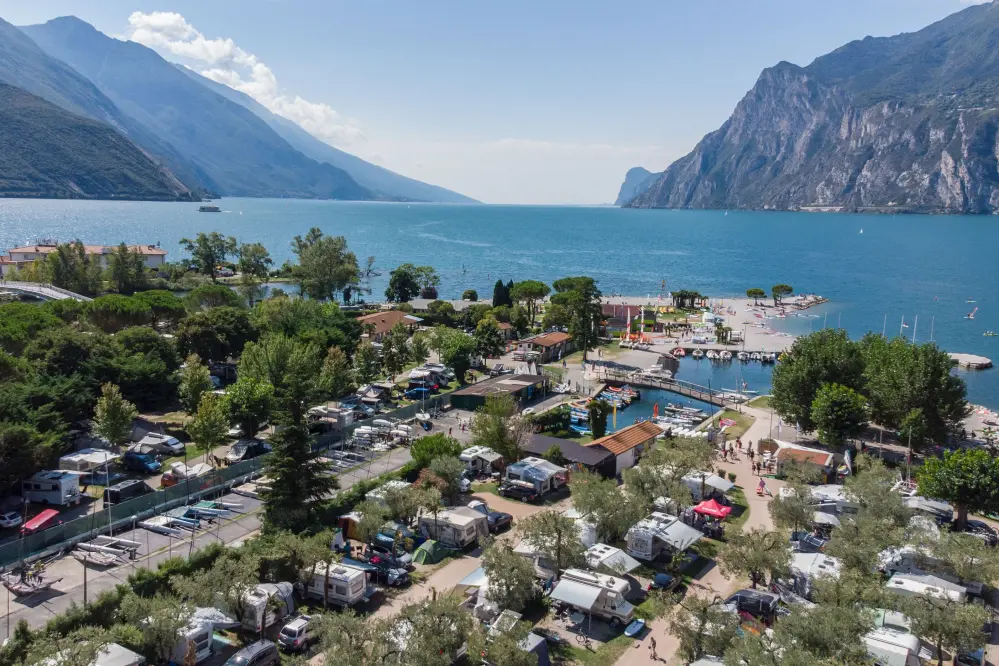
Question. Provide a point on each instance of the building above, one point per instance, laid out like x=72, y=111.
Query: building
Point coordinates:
x=385, y=321
x=548, y=346
x=821, y=461
x=153, y=255
x=422, y=304
x=628, y=444
x=576, y=456
x=522, y=388
x=506, y=329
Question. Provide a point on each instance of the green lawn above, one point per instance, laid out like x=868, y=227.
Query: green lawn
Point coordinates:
x=191, y=454
x=742, y=423
x=606, y=655
x=763, y=402
x=740, y=510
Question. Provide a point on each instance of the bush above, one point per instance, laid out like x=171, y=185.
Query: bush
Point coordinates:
x=731, y=477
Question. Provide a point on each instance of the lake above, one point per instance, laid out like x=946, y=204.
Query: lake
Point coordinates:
x=899, y=266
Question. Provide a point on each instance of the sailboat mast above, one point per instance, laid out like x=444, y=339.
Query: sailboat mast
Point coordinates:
x=932, y=319
x=884, y=324
x=915, y=325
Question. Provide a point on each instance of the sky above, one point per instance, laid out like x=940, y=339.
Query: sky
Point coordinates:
x=518, y=102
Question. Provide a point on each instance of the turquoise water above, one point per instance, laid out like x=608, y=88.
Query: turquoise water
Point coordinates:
x=905, y=265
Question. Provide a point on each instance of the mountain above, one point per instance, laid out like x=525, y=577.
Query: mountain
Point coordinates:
x=372, y=176
x=24, y=65
x=46, y=151
x=636, y=181
x=237, y=151
x=893, y=124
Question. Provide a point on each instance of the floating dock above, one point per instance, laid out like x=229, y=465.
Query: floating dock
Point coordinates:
x=971, y=361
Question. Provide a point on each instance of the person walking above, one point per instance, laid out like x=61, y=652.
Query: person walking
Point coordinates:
x=652, y=646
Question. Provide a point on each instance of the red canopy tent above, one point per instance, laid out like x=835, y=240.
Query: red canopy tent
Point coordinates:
x=713, y=509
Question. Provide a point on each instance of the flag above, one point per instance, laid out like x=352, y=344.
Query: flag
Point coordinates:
x=614, y=422
x=655, y=410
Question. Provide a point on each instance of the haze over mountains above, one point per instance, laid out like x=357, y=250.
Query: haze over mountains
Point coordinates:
x=182, y=124
x=903, y=123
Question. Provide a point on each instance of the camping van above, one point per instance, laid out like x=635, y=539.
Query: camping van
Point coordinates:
x=261, y=612
x=57, y=487
x=603, y=596
x=890, y=647
x=126, y=490
x=456, y=528
x=660, y=533
x=931, y=587
x=345, y=585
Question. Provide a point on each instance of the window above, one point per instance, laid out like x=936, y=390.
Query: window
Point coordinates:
x=340, y=590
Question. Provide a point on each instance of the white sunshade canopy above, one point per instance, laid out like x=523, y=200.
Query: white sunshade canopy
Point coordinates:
x=576, y=594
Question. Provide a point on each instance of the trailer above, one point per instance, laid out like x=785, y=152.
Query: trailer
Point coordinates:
x=339, y=584
x=58, y=487
x=455, y=528
x=261, y=612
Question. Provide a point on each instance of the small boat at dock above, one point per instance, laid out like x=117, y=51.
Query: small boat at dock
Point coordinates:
x=679, y=352
x=742, y=356
x=712, y=355
x=698, y=354
x=725, y=355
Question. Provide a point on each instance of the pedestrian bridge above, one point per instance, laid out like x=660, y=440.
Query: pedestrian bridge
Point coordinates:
x=41, y=290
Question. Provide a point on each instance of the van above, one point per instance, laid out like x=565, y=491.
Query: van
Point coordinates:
x=261, y=653
x=52, y=487
x=144, y=463
x=126, y=490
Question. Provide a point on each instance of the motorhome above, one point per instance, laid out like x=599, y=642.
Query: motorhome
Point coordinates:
x=910, y=560
x=931, y=587
x=597, y=594
x=57, y=487
x=261, y=612
x=345, y=585
x=807, y=567
x=890, y=647
x=199, y=632
x=658, y=534
x=481, y=460
x=455, y=528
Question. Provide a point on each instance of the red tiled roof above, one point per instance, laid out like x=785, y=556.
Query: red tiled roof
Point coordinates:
x=550, y=339
x=504, y=325
x=628, y=438
x=384, y=321
x=820, y=458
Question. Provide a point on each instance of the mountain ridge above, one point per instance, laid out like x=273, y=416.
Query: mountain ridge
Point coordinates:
x=891, y=124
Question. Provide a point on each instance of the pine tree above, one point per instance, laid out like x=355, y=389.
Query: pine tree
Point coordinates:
x=301, y=479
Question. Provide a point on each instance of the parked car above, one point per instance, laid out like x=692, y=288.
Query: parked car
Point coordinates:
x=165, y=444
x=401, y=559
x=497, y=370
x=126, y=490
x=664, y=582
x=261, y=653
x=10, y=519
x=498, y=520
x=246, y=449
x=418, y=394
x=982, y=530
x=759, y=604
x=523, y=493
x=141, y=462
x=296, y=636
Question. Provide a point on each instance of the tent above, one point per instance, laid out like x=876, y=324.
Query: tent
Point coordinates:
x=713, y=509
x=430, y=552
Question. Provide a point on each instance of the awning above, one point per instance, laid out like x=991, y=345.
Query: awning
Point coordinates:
x=713, y=509
x=823, y=518
x=477, y=578
x=490, y=456
x=615, y=559
x=679, y=536
x=576, y=594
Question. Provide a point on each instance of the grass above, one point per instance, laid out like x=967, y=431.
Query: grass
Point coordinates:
x=740, y=510
x=190, y=454
x=763, y=402
x=486, y=487
x=606, y=655
x=742, y=423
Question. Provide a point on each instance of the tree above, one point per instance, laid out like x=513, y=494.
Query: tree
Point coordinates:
x=511, y=577
x=555, y=456
x=395, y=349
x=69, y=267
x=756, y=553
x=195, y=381
x=967, y=478
x=403, y=284
x=216, y=334
x=440, y=313
x=126, y=269
x=488, y=338
x=249, y=402
x=455, y=349
x=348, y=639
x=23, y=449
x=403, y=503
x=21, y=322
x=80, y=647
x=756, y=294
x=598, y=412
x=254, y=268
x=870, y=487
x=336, y=379
x=501, y=296
x=113, y=415
x=450, y=470
x=366, y=363
x=210, y=424
x=435, y=631
x=965, y=556
x=555, y=538
x=603, y=503
x=438, y=445
x=947, y=624
x=325, y=266
x=209, y=251
x=428, y=280
x=581, y=299
x=662, y=472
x=224, y=585
x=373, y=515
x=858, y=543
x=208, y=296
x=556, y=316
x=470, y=295
x=839, y=413
x=530, y=293
x=703, y=626
x=505, y=649
x=113, y=312
x=166, y=308
x=793, y=510
x=779, y=291
x=825, y=357
x=494, y=426
x=418, y=351
x=302, y=480
x=160, y=619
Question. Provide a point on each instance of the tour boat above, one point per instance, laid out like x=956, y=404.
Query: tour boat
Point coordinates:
x=210, y=208
x=698, y=354
x=990, y=334
x=743, y=356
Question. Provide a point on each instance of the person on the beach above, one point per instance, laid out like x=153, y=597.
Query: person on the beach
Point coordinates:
x=652, y=646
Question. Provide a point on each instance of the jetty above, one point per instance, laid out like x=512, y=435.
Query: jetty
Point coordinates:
x=714, y=397
x=971, y=361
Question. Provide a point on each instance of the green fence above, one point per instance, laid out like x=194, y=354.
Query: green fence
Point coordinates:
x=121, y=517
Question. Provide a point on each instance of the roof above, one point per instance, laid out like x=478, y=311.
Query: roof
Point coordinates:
x=815, y=564
x=711, y=480
x=501, y=384
x=813, y=456
x=669, y=529
x=576, y=594
x=535, y=468
x=574, y=452
x=615, y=559
x=477, y=578
x=628, y=438
x=117, y=655
x=504, y=325
x=384, y=321
x=483, y=452
x=90, y=249
x=549, y=339
x=461, y=515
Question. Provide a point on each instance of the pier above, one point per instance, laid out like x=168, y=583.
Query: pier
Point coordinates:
x=971, y=361
x=695, y=391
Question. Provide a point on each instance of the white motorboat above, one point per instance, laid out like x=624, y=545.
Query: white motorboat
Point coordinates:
x=743, y=356
x=769, y=357
x=712, y=355
x=756, y=356
x=725, y=355
x=698, y=354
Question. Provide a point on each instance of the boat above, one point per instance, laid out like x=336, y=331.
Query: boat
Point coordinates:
x=756, y=356
x=725, y=355
x=769, y=357
x=580, y=429
x=971, y=315
x=742, y=356
x=95, y=558
x=712, y=355
x=679, y=352
x=990, y=334
x=698, y=354
x=210, y=208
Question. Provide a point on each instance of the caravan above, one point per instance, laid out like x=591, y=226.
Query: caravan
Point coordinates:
x=57, y=487
x=596, y=594
x=930, y=587
x=890, y=647
x=455, y=528
x=344, y=585
x=660, y=533
x=261, y=612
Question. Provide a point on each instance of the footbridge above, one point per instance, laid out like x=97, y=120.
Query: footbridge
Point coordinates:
x=40, y=290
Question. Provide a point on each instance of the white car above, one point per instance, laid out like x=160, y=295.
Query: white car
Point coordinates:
x=164, y=444
x=10, y=519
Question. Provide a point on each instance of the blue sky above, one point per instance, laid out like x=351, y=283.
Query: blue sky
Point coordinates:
x=509, y=102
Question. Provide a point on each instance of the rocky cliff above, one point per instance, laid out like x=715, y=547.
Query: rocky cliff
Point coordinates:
x=636, y=182
x=905, y=123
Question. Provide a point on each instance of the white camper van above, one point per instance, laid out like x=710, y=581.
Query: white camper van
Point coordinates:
x=456, y=528
x=923, y=585
x=890, y=647
x=345, y=584
x=261, y=612
x=597, y=594
x=57, y=487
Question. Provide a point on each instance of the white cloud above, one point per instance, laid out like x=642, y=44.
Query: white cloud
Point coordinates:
x=223, y=61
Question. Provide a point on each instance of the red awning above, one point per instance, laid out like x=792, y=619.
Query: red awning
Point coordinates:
x=713, y=509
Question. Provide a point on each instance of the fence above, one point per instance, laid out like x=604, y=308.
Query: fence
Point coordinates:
x=120, y=517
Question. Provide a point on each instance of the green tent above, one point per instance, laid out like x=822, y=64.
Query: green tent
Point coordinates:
x=430, y=552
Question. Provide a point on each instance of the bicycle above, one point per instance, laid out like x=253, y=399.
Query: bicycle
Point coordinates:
x=585, y=641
